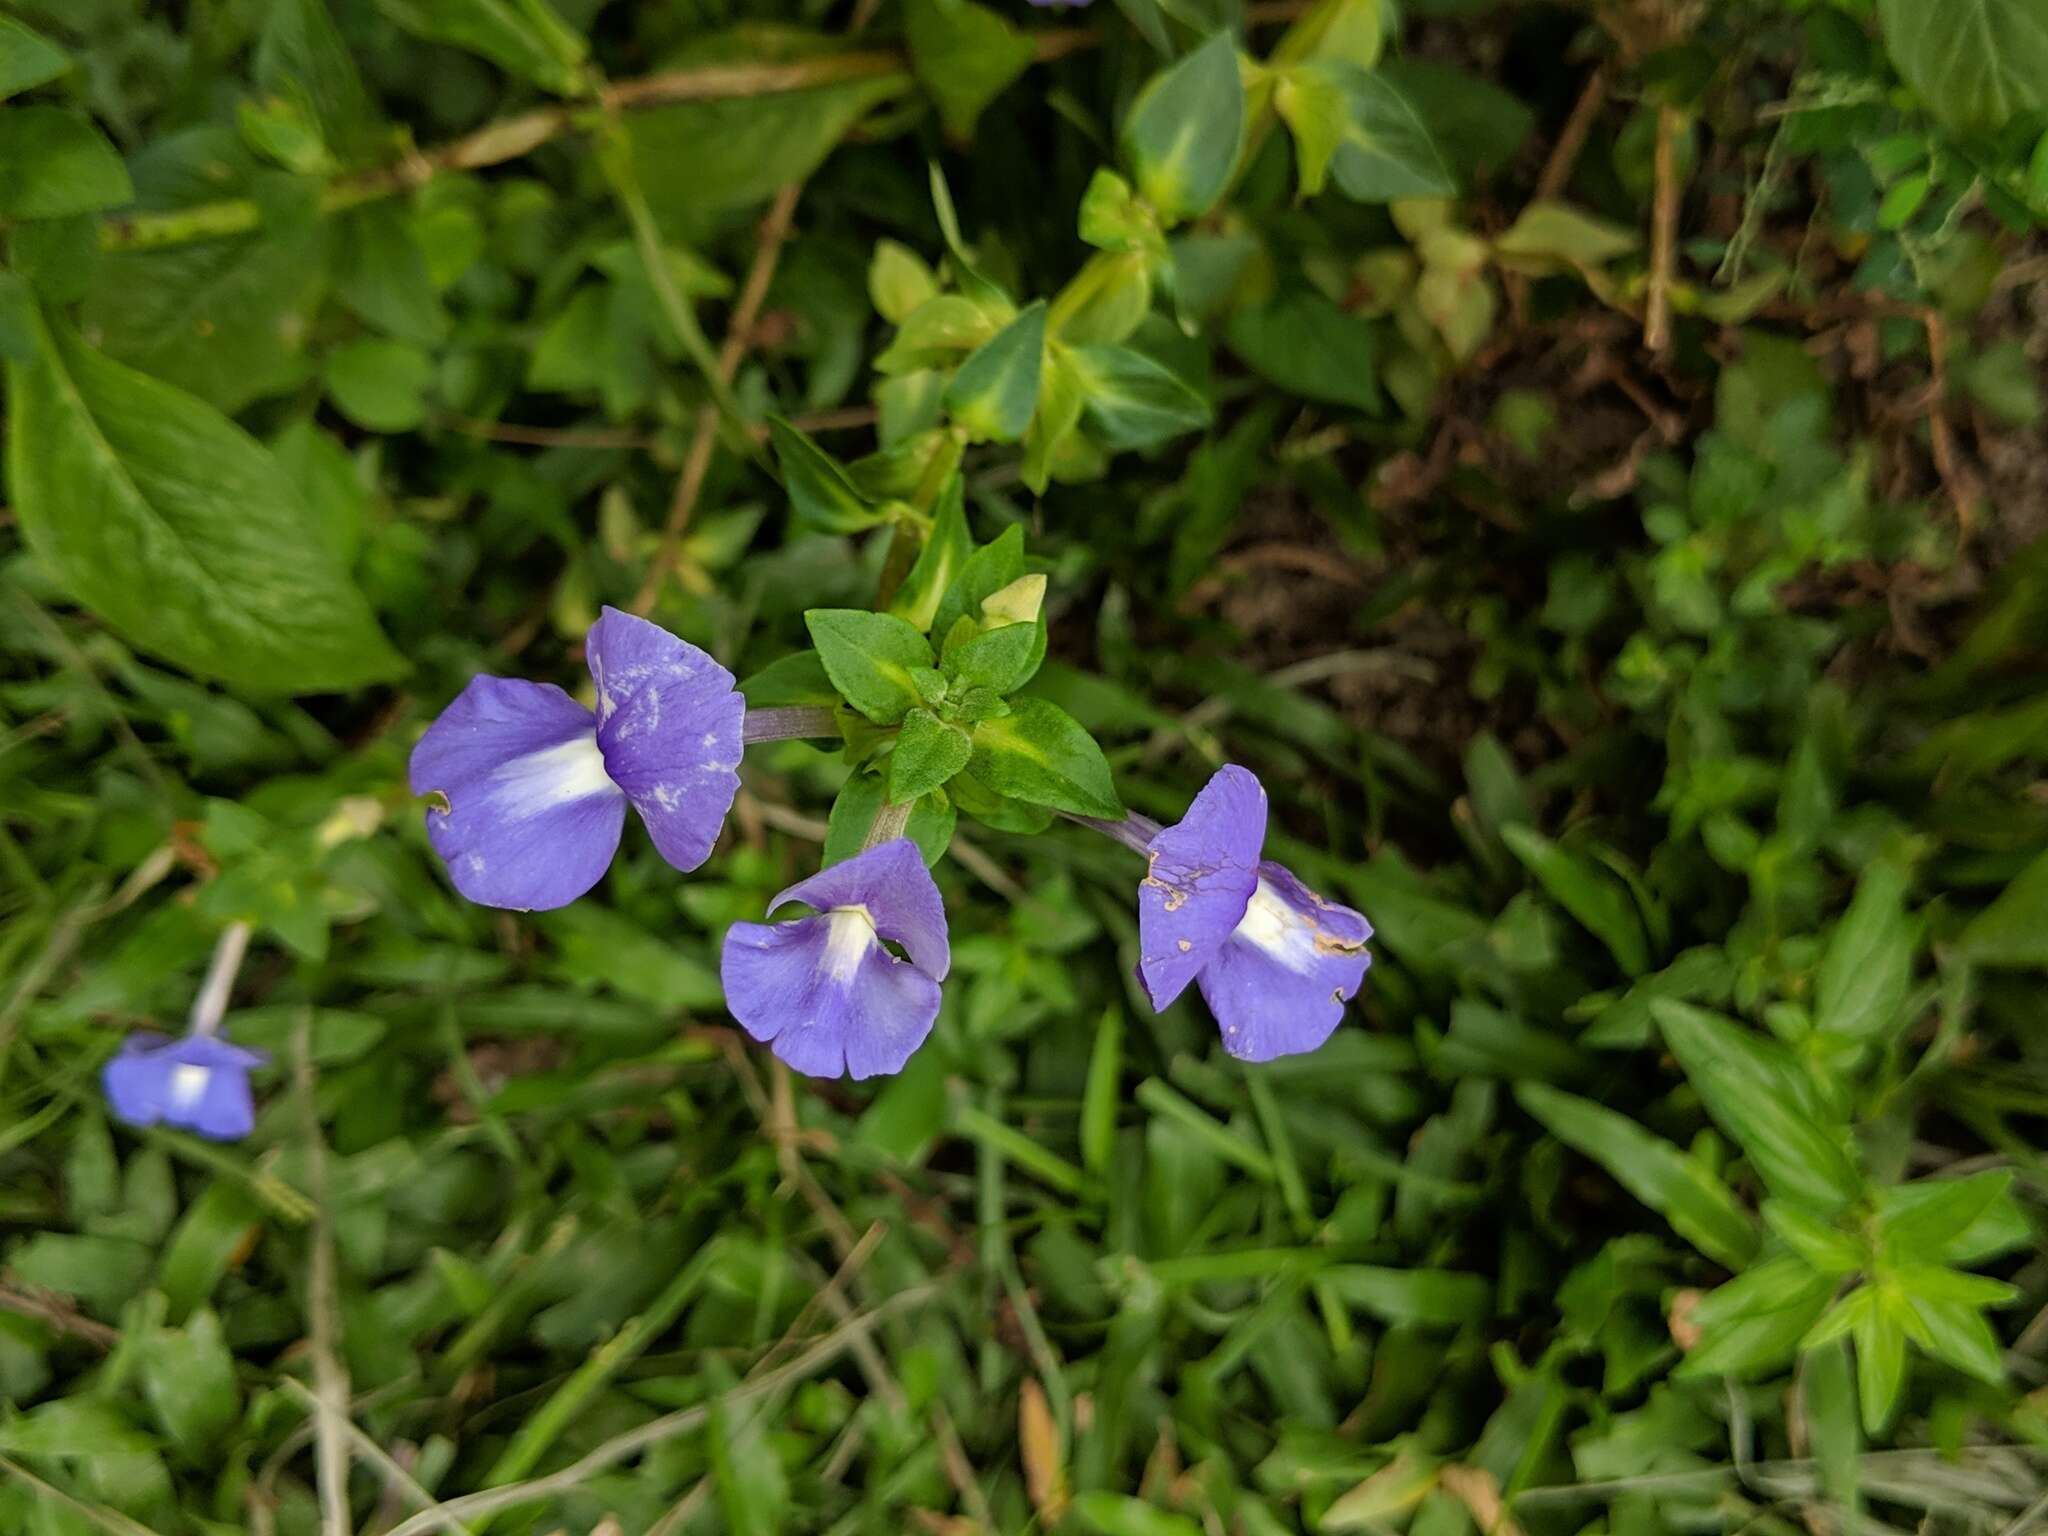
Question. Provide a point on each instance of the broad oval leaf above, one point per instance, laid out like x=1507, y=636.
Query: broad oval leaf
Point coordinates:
x=54, y=163
x=1185, y=129
x=1975, y=63
x=1040, y=754
x=871, y=659
x=996, y=389
x=1132, y=402
x=179, y=529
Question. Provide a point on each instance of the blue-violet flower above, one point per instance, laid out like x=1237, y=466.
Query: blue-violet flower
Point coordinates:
x=536, y=786
x=1275, y=961
x=197, y=1082
x=823, y=992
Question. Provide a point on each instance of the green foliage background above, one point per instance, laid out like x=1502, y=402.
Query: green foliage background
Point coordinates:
x=1585, y=457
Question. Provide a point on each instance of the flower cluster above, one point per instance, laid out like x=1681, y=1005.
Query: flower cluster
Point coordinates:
x=533, y=789
x=528, y=791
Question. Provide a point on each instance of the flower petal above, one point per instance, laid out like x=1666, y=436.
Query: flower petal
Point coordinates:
x=669, y=726
x=825, y=995
x=199, y=1083
x=1202, y=872
x=1279, y=984
x=532, y=820
x=901, y=898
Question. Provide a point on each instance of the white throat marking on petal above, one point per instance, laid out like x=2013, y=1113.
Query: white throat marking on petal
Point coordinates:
x=849, y=935
x=1273, y=926
x=540, y=781
x=188, y=1085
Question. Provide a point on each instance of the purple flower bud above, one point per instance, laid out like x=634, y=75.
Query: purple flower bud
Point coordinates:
x=1275, y=961
x=196, y=1082
x=537, y=786
x=823, y=992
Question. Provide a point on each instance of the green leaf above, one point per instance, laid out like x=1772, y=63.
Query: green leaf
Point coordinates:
x=937, y=332
x=1378, y=148
x=928, y=752
x=54, y=163
x=1756, y=1322
x=899, y=281
x=1004, y=658
x=982, y=574
x=225, y=319
x=1826, y=1247
x=1880, y=1334
x=1586, y=889
x=1184, y=131
x=1759, y=1095
x=1317, y=110
x=1311, y=348
x=798, y=678
x=1352, y=30
x=996, y=389
x=2013, y=930
x=700, y=162
x=1117, y=1514
x=1957, y=1333
x=326, y=476
x=1114, y=218
x=1868, y=967
x=1038, y=753
x=1975, y=63
x=27, y=59
x=381, y=274
x=214, y=1233
x=1550, y=237
x=188, y=1379
x=1438, y=1298
x=1828, y=1389
x=820, y=494
x=870, y=658
x=380, y=385
x=1132, y=402
x=861, y=796
x=1056, y=419
x=965, y=55
x=1925, y=1219
x=947, y=548
x=1677, y=1187
x=524, y=37
x=302, y=56
x=179, y=529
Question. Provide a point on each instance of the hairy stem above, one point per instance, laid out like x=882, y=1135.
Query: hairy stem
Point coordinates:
x=891, y=821
x=789, y=722
x=212, y=1003
x=1135, y=832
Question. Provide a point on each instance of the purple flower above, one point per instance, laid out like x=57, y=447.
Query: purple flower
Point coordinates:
x=196, y=1082
x=536, y=785
x=1274, y=960
x=822, y=991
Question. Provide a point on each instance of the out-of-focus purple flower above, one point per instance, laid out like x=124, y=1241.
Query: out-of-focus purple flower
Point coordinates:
x=823, y=992
x=1275, y=961
x=197, y=1082
x=536, y=786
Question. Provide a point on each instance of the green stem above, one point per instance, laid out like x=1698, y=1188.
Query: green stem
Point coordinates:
x=891, y=822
